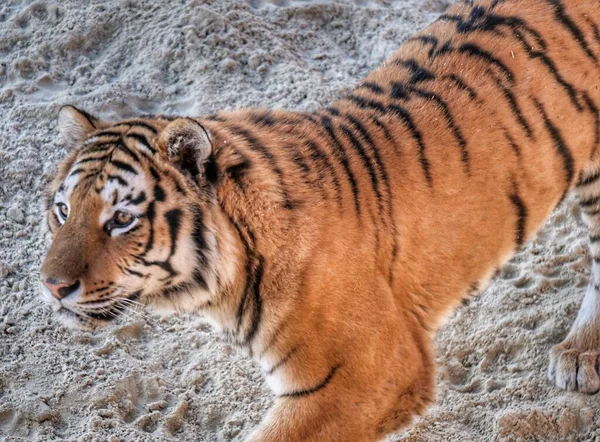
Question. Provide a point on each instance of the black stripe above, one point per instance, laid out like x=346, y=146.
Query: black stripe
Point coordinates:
x=592, y=178
x=92, y=120
x=592, y=212
x=576, y=33
x=150, y=213
x=513, y=144
x=274, y=337
x=139, y=199
x=88, y=159
x=159, y=193
x=359, y=149
x=406, y=119
x=108, y=133
x=143, y=124
x=379, y=166
x=521, y=210
x=308, y=391
x=340, y=154
x=461, y=85
x=99, y=147
x=282, y=361
x=460, y=139
x=549, y=63
x=426, y=39
x=366, y=104
x=589, y=202
x=418, y=74
x=127, y=151
x=142, y=140
x=475, y=51
x=118, y=179
x=386, y=132
x=404, y=115
x=561, y=147
x=514, y=107
x=134, y=273
x=594, y=238
x=79, y=170
x=173, y=218
x=595, y=28
x=257, y=306
x=323, y=165
x=123, y=166
x=299, y=160
x=594, y=110
x=252, y=286
x=254, y=144
x=264, y=119
x=132, y=230
x=238, y=172
x=373, y=87
x=155, y=174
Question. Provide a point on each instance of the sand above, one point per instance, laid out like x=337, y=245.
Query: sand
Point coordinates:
x=152, y=379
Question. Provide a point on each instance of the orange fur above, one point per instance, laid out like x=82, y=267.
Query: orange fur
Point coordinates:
x=337, y=241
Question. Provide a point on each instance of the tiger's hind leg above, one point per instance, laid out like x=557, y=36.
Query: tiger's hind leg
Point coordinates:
x=574, y=363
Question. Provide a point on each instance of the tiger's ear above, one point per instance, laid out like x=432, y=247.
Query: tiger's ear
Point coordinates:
x=187, y=145
x=75, y=125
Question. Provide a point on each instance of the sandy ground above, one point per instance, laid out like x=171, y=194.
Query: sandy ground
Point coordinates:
x=154, y=379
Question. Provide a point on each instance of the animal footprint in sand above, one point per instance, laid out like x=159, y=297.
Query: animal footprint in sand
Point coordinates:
x=145, y=403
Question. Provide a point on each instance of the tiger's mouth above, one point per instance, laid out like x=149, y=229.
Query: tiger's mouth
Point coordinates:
x=74, y=313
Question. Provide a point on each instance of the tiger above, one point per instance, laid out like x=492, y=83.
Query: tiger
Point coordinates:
x=330, y=245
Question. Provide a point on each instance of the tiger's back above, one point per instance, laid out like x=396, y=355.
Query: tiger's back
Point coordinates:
x=337, y=240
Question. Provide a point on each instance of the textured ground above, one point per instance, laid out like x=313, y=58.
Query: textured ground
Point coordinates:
x=152, y=379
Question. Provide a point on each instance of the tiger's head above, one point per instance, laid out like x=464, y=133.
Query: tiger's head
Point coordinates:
x=131, y=214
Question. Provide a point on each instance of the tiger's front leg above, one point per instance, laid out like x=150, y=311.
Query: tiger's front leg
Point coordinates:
x=359, y=378
x=323, y=416
x=574, y=362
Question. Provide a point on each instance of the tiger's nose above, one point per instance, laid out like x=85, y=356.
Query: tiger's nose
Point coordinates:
x=60, y=289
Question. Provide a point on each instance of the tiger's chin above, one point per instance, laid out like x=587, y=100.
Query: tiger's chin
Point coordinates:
x=75, y=321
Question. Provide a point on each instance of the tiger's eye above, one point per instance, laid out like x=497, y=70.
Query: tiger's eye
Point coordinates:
x=63, y=210
x=122, y=219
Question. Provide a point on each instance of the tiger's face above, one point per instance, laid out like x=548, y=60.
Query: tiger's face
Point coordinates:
x=129, y=215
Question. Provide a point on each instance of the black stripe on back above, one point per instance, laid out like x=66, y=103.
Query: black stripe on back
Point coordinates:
x=443, y=106
x=404, y=115
x=426, y=39
x=562, y=17
x=359, y=149
x=475, y=51
x=418, y=74
x=561, y=147
x=594, y=110
x=461, y=85
x=341, y=156
x=373, y=87
x=253, y=143
x=514, y=107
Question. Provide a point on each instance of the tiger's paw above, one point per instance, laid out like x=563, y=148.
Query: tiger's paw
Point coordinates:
x=574, y=369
